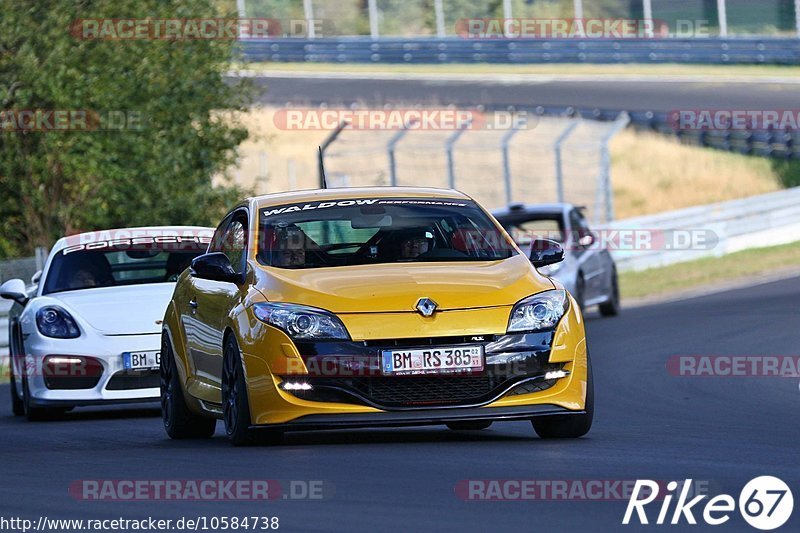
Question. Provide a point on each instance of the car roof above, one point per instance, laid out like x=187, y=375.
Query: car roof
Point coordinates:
x=343, y=193
x=126, y=233
x=515, y=210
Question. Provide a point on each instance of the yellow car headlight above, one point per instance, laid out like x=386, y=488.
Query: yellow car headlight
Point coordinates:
x=538, y=312
x=301, y=322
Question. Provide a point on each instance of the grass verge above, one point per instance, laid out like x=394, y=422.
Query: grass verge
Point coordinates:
x=696, y=274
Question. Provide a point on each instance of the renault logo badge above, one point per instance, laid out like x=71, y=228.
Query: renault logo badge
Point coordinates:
x=426, y=307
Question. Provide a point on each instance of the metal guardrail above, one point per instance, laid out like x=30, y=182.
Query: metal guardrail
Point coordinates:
x=739, y=50
x=5, y=305
x=765, y=220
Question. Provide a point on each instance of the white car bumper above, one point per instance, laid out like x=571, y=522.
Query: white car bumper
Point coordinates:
x=115, y=385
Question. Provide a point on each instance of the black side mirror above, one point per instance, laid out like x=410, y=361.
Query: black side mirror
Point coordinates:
x=546, y=252
x=214, y=266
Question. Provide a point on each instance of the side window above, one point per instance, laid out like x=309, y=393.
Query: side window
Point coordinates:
x=580, y=228
x=235, y=243
x=219, y=235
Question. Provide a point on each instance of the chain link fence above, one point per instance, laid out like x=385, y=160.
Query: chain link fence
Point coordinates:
x=553, y=159
x=440, y=18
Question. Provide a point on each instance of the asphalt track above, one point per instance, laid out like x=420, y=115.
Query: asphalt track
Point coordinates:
x=648, y=424
x=602, y=93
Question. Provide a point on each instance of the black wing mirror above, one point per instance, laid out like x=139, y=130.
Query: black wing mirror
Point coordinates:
x=546, y=252
x=214, y=266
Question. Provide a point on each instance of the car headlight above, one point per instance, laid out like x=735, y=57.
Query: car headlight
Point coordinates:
x=301, y=322
x=55, y=322
x=538, y=312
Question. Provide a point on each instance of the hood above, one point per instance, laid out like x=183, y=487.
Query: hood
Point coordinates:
x=396, y=287
x=136, y=309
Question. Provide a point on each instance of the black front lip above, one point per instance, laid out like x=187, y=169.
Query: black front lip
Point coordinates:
x=418, y=417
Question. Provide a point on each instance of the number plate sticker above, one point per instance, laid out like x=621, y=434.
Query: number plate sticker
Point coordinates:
x=141, y=360
x=433, y=360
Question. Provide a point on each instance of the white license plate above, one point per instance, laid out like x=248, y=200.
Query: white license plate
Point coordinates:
x=141, y=360
x=433, y=360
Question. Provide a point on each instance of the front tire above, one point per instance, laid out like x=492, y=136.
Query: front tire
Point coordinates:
x=569, y=426
x=17, y=407
x=612, y=306
x=235, y=404
x=179, y=421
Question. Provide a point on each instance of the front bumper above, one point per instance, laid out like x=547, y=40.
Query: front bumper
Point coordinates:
x=115, y=384
x=276, y=358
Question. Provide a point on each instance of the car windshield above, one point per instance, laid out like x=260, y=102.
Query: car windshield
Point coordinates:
x=76, y=269
x=378, y=230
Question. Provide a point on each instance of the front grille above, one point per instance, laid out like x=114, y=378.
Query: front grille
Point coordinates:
x=70, y=382
x=132, y=379
x=405, y=391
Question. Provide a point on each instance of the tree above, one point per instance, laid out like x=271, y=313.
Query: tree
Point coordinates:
x=164, y=131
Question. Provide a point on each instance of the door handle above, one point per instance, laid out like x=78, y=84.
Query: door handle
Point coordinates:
x=193, y=303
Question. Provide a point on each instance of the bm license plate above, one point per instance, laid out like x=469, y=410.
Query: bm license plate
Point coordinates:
x=141, y=360
x=432, y=360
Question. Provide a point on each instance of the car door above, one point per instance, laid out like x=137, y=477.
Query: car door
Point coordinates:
x=591, y=265
x=209, y=304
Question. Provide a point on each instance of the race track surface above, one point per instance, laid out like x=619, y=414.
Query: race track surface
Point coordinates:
x=649, y=424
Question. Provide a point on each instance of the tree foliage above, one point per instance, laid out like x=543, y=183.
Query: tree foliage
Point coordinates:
x=158, y=168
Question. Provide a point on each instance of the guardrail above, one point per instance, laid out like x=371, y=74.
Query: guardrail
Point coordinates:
x=5, y=305
x=739, y=50
x=765, y=220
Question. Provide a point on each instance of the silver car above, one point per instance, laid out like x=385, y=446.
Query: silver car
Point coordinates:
x=588, y=271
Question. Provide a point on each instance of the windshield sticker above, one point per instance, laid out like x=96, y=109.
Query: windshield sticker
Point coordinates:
x=311, y=206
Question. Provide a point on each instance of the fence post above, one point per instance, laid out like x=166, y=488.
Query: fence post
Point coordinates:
x=41, y=257
x=647, y=7
x=797, y=16
x=439, y=9
x=507, y=11
x=605, y=166
x=308, y=13
x=507, y=160
x=390, y=146
x=451, y=141
x=578, y=4
x=374, y=30
x=241, y=9
x=722, y=16
x=557, y=152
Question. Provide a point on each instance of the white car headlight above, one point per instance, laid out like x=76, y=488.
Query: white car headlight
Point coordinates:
x=301, y=322
x=53, y=321
x=538, y=312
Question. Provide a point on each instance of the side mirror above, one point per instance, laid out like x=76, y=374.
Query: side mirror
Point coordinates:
x=546, y=252
x=14, y=289
x=214, y=266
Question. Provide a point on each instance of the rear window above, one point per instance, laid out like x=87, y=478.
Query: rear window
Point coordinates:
x=378, y=230
x=118, y=263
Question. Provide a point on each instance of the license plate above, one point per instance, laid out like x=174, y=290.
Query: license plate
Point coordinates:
x=440, y=360
x=141, y=360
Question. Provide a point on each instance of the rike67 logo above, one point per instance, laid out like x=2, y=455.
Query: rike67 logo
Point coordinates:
x=765, y=503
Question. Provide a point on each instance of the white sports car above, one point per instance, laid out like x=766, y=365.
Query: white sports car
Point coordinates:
x=90, y=331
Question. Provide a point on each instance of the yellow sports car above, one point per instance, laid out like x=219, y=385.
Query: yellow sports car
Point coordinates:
x=371, y=307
